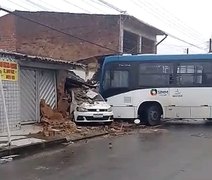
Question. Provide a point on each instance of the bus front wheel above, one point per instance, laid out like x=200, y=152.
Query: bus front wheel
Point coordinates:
x=153, y=115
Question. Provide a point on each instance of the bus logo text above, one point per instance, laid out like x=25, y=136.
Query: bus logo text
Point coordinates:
x=155, y=92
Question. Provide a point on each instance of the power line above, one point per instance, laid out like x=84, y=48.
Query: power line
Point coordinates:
x=57, y=30
x=173, y=36
x=86, y=2
x=50, y=5
x=178, y=22
x=72, y=4
x=100, y=4
x=163, y=18
x=18, y=5
x=185, y=41
x=87, y=40
x=168, y=13
x=154, y=13
x=37, y=5
x=112, y=7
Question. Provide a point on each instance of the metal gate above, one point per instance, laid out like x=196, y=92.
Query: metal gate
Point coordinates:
x=28, y=88
x=47, y=87
x=36, y=84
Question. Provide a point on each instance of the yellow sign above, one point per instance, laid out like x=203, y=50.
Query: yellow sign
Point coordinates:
x=9, y=71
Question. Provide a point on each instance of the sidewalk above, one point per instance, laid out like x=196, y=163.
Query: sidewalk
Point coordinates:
x=29, y=139
x=20, y=137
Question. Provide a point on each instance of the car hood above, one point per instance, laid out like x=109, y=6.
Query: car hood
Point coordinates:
x=96, y=105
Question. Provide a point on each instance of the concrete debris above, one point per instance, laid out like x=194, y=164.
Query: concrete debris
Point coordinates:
x=5, y=160
x=58, y=127
x=10, y=156
x=110, y=145
x=120, y=128
x=48, y=113
x=71, y=92
x=56, y=124
x=63, y=105
x=72, y=82
x=83, y=95
x=41, y=168
x=55, y=121
x=73, y=76
x=91, y=94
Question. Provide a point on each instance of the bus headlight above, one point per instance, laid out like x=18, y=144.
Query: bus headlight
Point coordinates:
x=81, y=109
x=109, y=109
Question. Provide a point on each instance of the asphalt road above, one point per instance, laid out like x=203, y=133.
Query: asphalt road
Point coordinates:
x=181, y=152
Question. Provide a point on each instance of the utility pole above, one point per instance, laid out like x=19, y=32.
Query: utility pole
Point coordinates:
x=210, y=45
x=186, y=50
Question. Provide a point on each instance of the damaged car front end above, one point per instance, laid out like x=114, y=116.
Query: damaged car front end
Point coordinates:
x=96, y=111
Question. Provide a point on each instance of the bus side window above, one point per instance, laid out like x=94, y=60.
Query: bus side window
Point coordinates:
x=189, y=74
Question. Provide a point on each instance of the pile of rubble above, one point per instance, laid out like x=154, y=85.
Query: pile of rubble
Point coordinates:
x=55, y=121
x=123, y=128
x=59, y=120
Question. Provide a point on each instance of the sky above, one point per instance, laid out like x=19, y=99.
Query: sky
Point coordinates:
x=187, y=22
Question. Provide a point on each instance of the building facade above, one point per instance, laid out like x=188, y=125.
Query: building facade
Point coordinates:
x=113, y=33
x=25, y=81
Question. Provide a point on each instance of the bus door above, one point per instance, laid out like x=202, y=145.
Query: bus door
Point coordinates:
x=119, y=80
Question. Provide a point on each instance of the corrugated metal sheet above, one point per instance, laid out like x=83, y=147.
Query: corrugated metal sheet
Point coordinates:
x=47, y=87
x=28, y=95
x=25, y=57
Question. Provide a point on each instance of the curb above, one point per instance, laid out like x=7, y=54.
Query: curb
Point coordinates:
x=37, y=147
x=89, y=137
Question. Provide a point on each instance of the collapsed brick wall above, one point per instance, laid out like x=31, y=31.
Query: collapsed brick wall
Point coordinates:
x=7, y=33
x=61, y=79
x=38, y=40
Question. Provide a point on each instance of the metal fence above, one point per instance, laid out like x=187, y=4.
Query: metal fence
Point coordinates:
x=12, y=98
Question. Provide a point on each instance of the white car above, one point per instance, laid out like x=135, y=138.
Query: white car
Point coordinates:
x=98, y=111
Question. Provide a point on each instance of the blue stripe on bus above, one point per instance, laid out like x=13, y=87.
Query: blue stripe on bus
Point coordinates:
x=155, y=57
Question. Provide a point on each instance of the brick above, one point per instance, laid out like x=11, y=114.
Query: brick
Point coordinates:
x=30, y=38
x=7, y=33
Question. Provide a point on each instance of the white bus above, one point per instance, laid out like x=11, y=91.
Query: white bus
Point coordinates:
x=149, y=87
